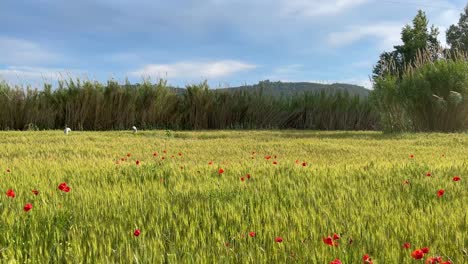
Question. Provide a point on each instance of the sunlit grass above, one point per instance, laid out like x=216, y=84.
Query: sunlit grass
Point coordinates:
x=353, y=185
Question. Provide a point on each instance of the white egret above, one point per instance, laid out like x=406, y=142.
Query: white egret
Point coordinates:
x=134, y=129
x=67, y=130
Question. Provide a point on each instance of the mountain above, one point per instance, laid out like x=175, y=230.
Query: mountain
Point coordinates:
x=293, y=88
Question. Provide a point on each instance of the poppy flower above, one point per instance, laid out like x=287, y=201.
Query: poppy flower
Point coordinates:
x=440, y=192
x=274, y=162
x=411, y=156
x=137, y=162
x=252, y=234
x=122, y=159
x=27, y=207
x=242, y=179
x=248, y=176
x=8, y=170
x=128, y=155
x=366, y=259
x=336, y=261
x=329, y=241
x=165, y=151
x=433, y=260
x=417, y=254
x=137, y=232
x=36, y=192
x=278, y=239
x=180, y=154
x=267, y=157
x=10, y=193
x=304, y=164
x=297, y=161
x=220, y=171
x=336, y=236
x=155, y=154
x=425, y=250
x=428, y=174
x=456, y=178
x=406, y=245
x=210, y=163
x=162, y=158
x=64, y=187
x=406, y=182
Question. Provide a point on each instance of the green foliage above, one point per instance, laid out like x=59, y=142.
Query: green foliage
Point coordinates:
x=416, y=38
x=432, y=96
x=457, y=35
x=86, y=105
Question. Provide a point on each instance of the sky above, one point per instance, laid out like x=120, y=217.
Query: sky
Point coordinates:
x=226, y=42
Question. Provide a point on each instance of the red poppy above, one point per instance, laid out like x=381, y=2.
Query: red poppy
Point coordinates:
x=8, y=170
x=36, y=192
x=210, y=163
x=406, y=182
x=274, y=162
x=278, y=239
x=10, y=193
x=165, y=151
x=27, y=207
x=137, y=162
x=122, y=159
x=297, y=161
x=440, y=192
x=220, y=171
x=267, y=157
x=155, y=154
x=406, y=245
x=425, y=250
x=366, y=259
x=137, y=232
x=456, y=178
x=128, y=154
x=428, y=174
x=304, y=164
x=336, y=261
x=163, y=158
x=329, y=241
x=252, y=234
x=248, y=176
x=180, y=153
x=336, y=236
x=242, y=179
x=411, y=156
x=64, y=187
x=417, y=254
x=433, y=260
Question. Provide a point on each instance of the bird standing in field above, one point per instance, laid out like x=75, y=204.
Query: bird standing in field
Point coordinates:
x=134, y=129
x=67, y=130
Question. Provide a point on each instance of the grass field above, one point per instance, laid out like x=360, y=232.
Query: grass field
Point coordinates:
x=352, y=184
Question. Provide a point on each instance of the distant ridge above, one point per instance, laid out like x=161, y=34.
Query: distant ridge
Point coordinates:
x=295, y=88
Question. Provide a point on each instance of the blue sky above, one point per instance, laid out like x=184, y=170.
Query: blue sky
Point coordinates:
x=227, y=42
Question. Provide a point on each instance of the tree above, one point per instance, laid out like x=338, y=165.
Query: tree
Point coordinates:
x=416, y=38
x=457, y=35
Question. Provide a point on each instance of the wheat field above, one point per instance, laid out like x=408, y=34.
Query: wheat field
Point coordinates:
x=232, y=197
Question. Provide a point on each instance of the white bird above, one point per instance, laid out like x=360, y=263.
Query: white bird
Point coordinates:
x=67, y=130
x=134, y=129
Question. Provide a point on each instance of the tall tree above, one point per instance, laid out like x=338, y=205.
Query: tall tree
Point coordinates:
x=416, y=37
x=457, y=35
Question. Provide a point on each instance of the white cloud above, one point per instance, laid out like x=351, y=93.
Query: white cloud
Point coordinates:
x=15, y=51
x=388, y=34
x=313, y=8
x=35, y=76
x=194, y=69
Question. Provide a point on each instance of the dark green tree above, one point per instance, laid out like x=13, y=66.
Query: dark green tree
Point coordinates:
x=457, y=35
x=416, y=38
